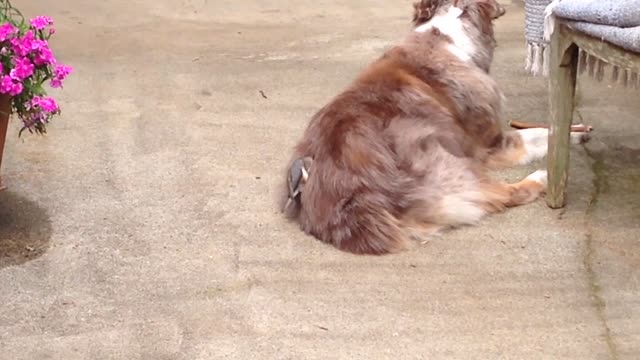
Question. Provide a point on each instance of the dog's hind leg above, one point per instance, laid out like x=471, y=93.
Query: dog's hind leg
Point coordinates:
x=499, y=196
x=470, y=204
x=520, y=147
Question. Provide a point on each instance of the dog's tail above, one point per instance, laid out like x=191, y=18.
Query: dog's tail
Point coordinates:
x=362, y=228
x=350, y=216
x=343, y=212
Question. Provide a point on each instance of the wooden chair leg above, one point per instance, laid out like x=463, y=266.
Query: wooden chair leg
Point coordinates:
x=562, y=83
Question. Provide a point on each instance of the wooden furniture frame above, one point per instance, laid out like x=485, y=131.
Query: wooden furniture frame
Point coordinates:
x=563, y=70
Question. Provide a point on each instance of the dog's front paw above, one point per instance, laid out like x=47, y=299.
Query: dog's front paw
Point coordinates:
x=579, y=138
x=539, y=176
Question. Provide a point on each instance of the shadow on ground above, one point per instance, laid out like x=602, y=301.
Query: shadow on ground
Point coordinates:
x=25, y=230
x=616, y=175
x=615, y=204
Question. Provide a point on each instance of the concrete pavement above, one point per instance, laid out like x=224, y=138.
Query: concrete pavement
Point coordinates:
x=143, y=225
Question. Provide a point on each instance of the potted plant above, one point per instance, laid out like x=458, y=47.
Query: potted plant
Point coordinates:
x=27, y=64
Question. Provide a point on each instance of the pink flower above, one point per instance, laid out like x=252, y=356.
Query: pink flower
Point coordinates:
x=62, y=71
x=16, y=89
x=47, y=104
x=22, y=70
x=41, y=22
x=39, y=44
x=44, y=56
x=6, y=83
x=8, y=86
x=6, y=30
x=28, y=43
x=22, y=46
x=59, y=74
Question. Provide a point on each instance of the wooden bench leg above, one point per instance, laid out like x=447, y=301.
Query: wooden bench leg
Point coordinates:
x=562, y=83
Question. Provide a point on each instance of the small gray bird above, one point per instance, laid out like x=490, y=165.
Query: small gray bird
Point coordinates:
x=298, y=176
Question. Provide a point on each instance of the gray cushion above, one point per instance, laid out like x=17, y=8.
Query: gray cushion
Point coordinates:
x=614, y=21
x=620, y=13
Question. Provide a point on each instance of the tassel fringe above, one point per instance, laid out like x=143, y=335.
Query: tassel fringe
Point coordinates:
x=537, y=63
x=582, y=62
x=538, y=53
x=538, y=57
x=597, y=67
x=615, y=74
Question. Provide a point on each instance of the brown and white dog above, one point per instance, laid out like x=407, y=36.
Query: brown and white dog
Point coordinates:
x=406, y=149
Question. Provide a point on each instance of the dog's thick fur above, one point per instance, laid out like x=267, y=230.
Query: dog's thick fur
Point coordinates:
x=405, y=150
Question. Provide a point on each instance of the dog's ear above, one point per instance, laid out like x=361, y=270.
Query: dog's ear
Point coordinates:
x=493, y=9
x=488, y=9
x=481, y=13
x=424, y=10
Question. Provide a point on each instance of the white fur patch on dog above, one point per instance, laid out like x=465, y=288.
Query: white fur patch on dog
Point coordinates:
x=536, y=143
x=450, y=24
x=577, y=138
x=539, y=176
x=462, y=208
x=458, y=52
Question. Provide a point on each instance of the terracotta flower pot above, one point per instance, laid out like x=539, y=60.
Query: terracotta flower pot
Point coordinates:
x=5, y=111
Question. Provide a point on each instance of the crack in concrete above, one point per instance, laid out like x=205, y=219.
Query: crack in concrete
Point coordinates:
x=600, y=186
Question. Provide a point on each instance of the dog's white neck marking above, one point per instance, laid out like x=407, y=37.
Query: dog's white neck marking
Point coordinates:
x=458, y=52
x=450, y=24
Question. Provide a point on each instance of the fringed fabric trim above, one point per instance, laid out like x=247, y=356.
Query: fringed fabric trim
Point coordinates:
x=538, y=58
x=537, y=61
x=596, y=69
